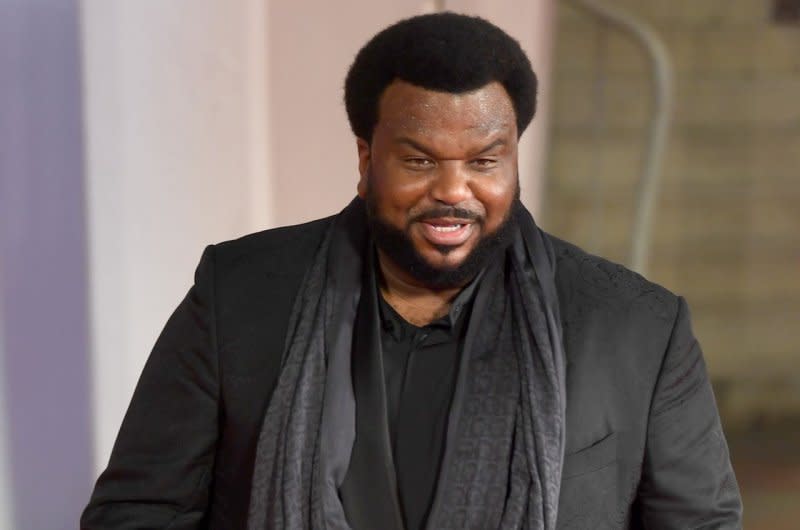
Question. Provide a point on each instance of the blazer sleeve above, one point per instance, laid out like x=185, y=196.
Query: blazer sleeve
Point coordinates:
x=687, y=478
x=160, y=470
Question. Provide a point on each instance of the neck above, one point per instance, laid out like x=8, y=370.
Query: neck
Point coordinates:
x=412, y=300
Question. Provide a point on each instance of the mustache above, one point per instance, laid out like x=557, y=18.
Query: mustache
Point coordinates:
x=453, y=212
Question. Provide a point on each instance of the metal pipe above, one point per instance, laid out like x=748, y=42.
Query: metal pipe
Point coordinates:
x=648, y=185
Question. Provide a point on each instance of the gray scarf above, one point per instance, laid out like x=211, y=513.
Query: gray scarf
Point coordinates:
x=505, y=435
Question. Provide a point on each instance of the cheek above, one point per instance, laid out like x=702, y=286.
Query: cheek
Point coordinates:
x=397, y=191
x=495, y=195
x=395, y=203
x=496, y=200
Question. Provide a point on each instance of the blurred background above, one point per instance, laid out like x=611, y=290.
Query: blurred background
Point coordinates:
x=133, y=133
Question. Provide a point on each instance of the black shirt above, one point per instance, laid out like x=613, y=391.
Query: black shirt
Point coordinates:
x=420, y=366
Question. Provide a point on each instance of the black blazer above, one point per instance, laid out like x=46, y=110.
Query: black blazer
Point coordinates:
x=644, y=445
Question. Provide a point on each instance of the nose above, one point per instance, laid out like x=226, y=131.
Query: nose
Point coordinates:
x=451, y=184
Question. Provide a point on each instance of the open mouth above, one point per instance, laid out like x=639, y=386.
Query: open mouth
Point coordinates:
x=444, y=232
x=446, y=228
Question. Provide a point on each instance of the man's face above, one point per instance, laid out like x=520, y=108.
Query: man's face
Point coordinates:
x=439, y=179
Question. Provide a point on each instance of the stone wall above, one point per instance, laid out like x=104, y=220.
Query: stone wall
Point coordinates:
x=727, y=224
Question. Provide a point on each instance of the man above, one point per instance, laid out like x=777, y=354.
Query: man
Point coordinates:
x=428, y=358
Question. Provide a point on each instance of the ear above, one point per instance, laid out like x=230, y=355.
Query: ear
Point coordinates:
x=363, y=166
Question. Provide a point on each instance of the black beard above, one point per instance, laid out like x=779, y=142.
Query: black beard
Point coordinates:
x=399, y=248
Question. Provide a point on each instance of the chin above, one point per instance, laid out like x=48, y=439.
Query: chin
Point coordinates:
x=445, y=260
x=444, y=256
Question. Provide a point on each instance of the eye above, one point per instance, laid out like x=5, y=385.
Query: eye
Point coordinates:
x=418, y=162
x=484, y=163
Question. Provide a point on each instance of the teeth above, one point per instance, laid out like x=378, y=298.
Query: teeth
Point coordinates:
x=451, y=228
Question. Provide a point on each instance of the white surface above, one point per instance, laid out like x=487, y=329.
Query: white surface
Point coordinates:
x=176, y=159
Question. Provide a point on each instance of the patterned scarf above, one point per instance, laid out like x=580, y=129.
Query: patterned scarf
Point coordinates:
x=505, y=434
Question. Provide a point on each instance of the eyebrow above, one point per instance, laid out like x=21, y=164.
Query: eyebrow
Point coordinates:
x=498, y=142
x=419, y=147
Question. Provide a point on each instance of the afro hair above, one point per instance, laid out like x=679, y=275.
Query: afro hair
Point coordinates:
x=445, y=52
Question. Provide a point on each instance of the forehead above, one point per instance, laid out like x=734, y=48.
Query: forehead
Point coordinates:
x=409, y=109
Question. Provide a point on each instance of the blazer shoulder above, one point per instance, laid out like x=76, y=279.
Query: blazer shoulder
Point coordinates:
x=590, y=282
x=279, y=251
x=257, y=276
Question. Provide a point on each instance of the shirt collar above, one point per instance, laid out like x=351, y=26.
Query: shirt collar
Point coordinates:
x=391, y=320
x=462, y=301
